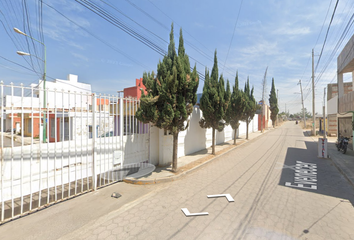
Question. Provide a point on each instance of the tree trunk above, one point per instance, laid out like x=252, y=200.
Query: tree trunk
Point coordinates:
x=247, y=129
x=235, y=135
x=175, y=148
x=213, y=142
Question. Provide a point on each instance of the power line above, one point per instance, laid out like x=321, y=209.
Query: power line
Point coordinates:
x=318, y=37
x=329, y=26
x=238, y=15
x=15, y=70
x=206, y=55
x=32, y=70
x=339, y=42
x=123, y=26
x=15, y=41
x=99, y=39
x=335, y=49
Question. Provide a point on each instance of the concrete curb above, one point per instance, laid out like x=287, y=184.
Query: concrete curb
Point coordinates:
x=179, y=175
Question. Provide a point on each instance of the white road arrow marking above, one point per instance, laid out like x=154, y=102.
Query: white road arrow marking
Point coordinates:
x=188, y=214
x=228, y=197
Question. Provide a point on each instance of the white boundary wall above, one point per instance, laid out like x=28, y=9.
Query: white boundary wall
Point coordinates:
x=193, y=139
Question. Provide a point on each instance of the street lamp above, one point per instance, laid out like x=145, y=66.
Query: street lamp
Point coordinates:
x=23, y=53
x=44, y=79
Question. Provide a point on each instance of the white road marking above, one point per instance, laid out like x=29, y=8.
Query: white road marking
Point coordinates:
x=228, y=197
x=305, y=175
x=188, y=214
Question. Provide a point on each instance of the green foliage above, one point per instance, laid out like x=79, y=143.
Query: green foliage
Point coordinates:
x=250, y=103
x=214, y=100
x=171, y=95
x=236, y=107
x=273, y=104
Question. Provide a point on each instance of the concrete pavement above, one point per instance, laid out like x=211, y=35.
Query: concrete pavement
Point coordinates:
x=152, y=211
x=265, y=207
x=343, y=162
x=63, y=218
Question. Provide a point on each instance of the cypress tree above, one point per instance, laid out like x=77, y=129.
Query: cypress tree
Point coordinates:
x=214, y=102
x=273, y=104
x=171, y=95
x=236, y=107
x=250, y=105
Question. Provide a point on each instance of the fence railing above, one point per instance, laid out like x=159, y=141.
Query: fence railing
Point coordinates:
x=76, y=142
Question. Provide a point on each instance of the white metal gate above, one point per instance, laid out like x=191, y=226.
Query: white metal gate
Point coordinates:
x=65, y=143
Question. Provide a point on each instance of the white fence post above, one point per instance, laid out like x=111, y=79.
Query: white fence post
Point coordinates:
x=121, y=127
x=2, y=152
x=94, y=133
x=46, y=172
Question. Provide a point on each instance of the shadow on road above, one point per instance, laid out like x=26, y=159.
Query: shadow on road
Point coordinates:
x=304, y=171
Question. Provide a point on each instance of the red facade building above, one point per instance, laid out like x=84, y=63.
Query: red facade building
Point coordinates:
x=135, y=91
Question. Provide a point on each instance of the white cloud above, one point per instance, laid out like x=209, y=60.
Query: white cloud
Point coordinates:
x=79, y=56
x=261, y=47
x=62, y=30
x=292, y=31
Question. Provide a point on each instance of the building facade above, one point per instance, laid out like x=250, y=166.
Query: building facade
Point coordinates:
x=345, y=112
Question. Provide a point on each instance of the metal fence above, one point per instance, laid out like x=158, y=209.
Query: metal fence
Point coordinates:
x=58, y=144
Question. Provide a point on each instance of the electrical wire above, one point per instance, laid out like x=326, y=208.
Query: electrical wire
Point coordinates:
x=121, y=25
x=233, y=34
x=335, y=49
x=209, y=56
x=98, y=38
x=329, y=26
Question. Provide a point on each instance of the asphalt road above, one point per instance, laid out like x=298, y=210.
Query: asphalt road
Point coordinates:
x=281, y=190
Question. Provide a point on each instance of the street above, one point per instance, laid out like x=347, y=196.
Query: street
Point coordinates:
x=255, y=175
x=281, y=190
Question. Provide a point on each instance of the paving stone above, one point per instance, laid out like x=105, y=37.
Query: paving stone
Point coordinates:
x=264, y=208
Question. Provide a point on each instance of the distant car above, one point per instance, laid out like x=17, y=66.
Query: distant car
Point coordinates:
x=107, y=134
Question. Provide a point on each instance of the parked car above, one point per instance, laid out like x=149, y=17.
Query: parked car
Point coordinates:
x=107, y=134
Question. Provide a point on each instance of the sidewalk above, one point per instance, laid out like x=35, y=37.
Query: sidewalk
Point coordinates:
x=343, y=162
x=190, y=162
x=61, y=220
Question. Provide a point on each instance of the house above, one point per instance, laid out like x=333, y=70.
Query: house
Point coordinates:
x=18, y=111
x=345, y=111
x=267, y=123
x=130, y=105
x=135, y=92
x=67, y=110
x=332, y=105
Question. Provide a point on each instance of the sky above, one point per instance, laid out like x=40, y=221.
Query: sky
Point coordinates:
x=249, y=36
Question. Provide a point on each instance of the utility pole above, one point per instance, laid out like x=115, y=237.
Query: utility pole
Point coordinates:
x=324, y=113
x=263, y=92
x=302, y=101
x=313, y=97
